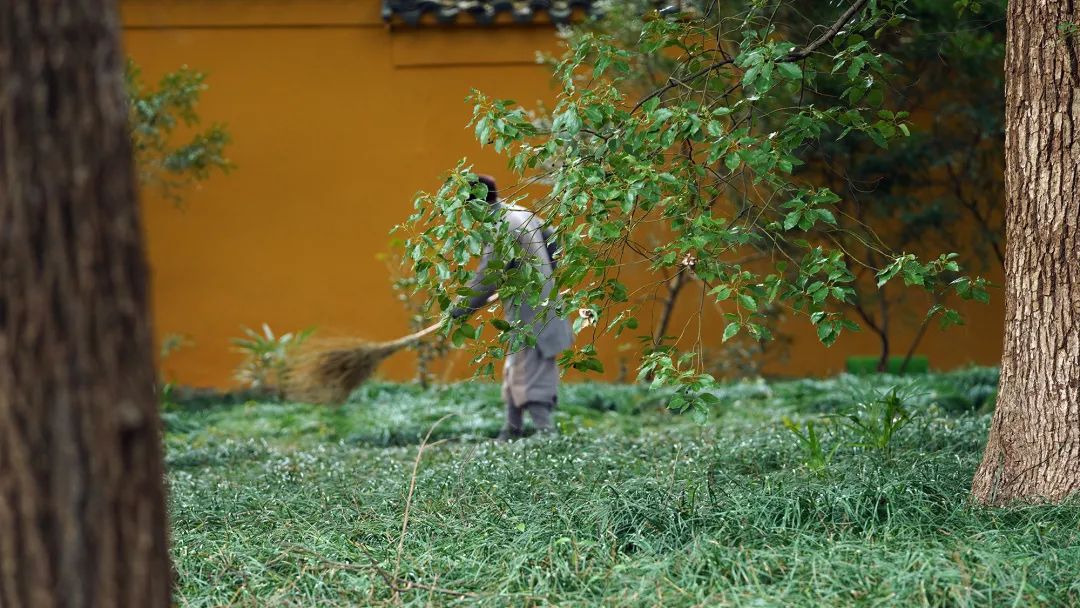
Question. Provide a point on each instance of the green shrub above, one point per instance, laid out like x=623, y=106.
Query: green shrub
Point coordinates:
x=267, y=358
x=861, y=366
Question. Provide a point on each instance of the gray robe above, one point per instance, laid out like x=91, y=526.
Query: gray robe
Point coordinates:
x=553, y=334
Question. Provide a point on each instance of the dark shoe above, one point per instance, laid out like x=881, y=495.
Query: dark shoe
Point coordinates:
x=509, y=434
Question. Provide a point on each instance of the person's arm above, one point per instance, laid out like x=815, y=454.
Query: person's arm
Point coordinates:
x=481, y=290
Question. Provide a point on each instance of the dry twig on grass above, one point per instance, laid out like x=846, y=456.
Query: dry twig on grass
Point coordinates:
x=396, y=585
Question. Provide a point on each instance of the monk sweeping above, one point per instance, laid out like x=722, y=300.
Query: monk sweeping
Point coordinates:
x=530, y=375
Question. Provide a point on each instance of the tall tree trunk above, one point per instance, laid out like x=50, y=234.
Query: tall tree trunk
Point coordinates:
x=82, y=509
x=1033, y=451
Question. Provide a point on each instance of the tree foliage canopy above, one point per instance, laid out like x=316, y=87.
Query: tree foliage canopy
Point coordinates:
x=712, y=168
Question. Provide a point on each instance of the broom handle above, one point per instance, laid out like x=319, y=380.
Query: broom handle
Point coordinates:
x=430, y=329
x=409, y=339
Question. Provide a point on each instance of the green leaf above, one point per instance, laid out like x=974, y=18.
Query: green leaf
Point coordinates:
x=483, y=131
x=826, y=333
x=789, y=70
x=764, y=81
x=458, y=338
x=751, y=76
x=889, y=272
x=594, y=114
x=792, y=219
x=826, y=216
x=590, y=364
x=730, y=331
x=949, y=318
x=732, y=161
x=855, y=67
x=722, y=292
x=567, y=122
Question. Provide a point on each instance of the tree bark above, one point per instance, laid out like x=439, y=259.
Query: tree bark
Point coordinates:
x=82, y=509
x=1033, y=451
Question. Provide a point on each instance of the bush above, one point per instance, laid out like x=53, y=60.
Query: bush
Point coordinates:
x=861, y=366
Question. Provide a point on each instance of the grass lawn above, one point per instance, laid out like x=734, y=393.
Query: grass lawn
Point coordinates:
x=295, y=505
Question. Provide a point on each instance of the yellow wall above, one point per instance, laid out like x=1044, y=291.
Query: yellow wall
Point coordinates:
x=338, y=121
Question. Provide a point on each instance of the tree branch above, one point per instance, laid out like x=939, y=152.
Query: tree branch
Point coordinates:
x=796, y=55
x=674, y=286
x=919, y=335
x=674, y=82
x=829, y=34
x=973, y=207
x=396, y=585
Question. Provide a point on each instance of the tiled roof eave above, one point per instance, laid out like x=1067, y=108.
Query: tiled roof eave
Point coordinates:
x=484, y=12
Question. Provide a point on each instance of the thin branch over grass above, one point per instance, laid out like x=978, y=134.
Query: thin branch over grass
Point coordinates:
x=412, y=489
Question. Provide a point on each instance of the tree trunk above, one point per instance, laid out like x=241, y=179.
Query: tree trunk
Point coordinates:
x=82, y=509
x=1033, y=451
x=883, y=358
x=673, y=286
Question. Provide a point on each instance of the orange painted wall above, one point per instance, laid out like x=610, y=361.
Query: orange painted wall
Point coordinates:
x=338, y=121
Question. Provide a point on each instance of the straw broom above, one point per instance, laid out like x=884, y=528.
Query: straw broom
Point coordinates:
x=335, y=368
x=330, y=373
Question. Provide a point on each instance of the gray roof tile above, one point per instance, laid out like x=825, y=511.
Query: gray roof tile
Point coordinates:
x=483, y=12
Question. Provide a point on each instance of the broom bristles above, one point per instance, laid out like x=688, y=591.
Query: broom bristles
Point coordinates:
x=330, y=370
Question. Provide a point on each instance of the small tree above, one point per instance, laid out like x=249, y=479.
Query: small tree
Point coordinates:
x=707, y=159
x=155, y=117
